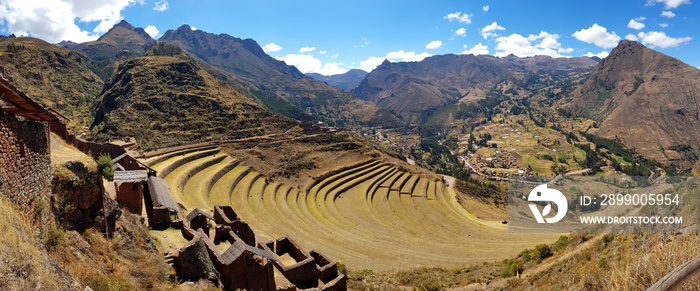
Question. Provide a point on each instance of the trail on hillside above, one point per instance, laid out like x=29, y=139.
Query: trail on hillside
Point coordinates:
x=543, y=266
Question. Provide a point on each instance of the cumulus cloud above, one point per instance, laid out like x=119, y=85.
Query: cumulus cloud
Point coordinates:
x=489, y=30
x=642, y=18
x=161, y=6
x=597, y=35
x=399, y=56
x=562, y=50
x=668, y=14
x=601, y=55
x=635, y=25
x=660, y=39
x=476, y=50
x=664, y=25
x=670, y=4
x=271, y=47
x=461, y=32
x=631, y=37
x=55, y=20
x=371, y=63
x=322, y=52
x=460, y=17
x=434, y=44
x=309, y=64
x=485, y=8
x=543, y=43
x=193, y=28
x=152, y=31
x=307, y=49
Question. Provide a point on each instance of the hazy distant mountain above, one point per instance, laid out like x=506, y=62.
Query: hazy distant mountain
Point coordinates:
x=282, y=88
x=346, y=81
x=649, y=100
x=414, y=89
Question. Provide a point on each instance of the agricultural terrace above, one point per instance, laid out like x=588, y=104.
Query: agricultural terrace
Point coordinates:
x=371, y=215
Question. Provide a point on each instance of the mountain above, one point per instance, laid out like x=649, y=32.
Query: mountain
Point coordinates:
x=165, y=97
x=54, y=76
x=415, y=89
x=649, y=100
x=346, y=81
x=123, y=38
x=280, y=87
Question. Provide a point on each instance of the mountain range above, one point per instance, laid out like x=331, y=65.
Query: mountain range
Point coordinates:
x=414, y=89
x=346, y=81
x=645, y=98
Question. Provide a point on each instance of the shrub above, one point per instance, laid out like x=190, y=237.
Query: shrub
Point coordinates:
x=608, y=238
x=561, y=243
x=542, y=251
x=54, y=238
x=511, y=267
x=104, y=164
x=342, y=269
x=428, y=286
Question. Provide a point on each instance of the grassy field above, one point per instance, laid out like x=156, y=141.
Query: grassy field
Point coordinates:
x=373, y=215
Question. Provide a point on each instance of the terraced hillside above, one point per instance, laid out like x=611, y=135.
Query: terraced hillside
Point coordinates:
x=369, y=215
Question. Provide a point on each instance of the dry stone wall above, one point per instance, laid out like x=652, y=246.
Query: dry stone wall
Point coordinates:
x=25, y=166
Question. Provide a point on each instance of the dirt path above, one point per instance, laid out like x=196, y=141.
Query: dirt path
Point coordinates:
x=546, y=264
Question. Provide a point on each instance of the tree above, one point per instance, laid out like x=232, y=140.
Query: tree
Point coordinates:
x=104, y=165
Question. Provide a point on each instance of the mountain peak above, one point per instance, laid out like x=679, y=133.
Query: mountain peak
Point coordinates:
x=124, y=24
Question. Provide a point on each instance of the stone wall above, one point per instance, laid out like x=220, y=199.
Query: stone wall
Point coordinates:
x=25, y=166
x=92, y=149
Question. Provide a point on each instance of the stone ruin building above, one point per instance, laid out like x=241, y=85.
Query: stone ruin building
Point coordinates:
x=25, y=154
x=247, y=264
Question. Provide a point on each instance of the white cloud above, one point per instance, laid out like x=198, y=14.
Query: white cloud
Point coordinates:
x=322, y=52
x=642, y=18
x=399, y=56
x=668, y=14
x=459, y=16
x=476, y=50
x=434, y=45
x=461, y=32
x=664, y=25
x=55, y=20
x=543, y=43
x=402, y=56
x=309, y=64
x=631, y=37
x=335, y=56
x=670, y=4
x=193, y=28
x=152, y=31
x=161, y=6
x=371, y=63
x=597, y=35
x=307, y=49
x=271, y=47
x=601, y=55
x=659, y=39
x=635, y=25
x=489, y=30
x=562, y=50
x=485, y=8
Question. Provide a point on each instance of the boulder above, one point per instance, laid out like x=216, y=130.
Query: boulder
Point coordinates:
x=193, y=263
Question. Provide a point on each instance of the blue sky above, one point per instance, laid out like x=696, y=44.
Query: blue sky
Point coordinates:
x=332, y=36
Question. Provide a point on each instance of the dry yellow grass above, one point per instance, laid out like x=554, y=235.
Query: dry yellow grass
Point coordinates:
x=61, y=152
x=23, y=266
x=127, y=261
